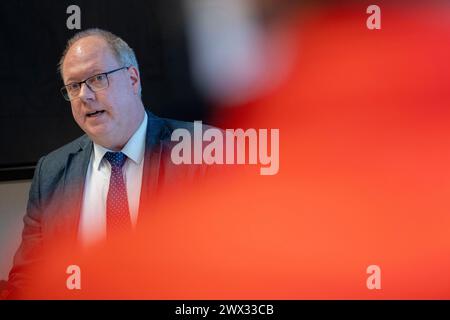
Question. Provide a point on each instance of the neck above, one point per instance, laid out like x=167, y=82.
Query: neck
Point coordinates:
x=118, y=143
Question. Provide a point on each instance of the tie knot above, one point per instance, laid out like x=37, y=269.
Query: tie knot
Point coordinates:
x=116, y=159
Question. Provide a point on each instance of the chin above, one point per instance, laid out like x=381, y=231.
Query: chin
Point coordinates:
x=97, y=133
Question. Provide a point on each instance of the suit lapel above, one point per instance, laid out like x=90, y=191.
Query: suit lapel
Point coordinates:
x=72, y=197
x=156, y=132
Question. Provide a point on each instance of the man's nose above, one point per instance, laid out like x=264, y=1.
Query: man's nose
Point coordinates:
x=86, y=94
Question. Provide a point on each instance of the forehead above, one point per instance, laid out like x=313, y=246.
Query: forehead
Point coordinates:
x=87, y=56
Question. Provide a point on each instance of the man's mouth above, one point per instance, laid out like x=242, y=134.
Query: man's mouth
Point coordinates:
x=95, y=113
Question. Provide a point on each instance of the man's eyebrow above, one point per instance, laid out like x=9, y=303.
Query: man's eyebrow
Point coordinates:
x=96, y=71
x=92, y=73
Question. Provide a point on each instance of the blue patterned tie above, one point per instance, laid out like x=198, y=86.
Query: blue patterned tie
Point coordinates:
x=117, y=211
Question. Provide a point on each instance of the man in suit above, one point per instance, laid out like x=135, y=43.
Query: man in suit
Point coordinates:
x=105, y=181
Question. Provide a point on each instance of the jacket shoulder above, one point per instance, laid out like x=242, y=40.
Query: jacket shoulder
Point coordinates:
x=172, y=125
x=56, y=160
x=60, y=155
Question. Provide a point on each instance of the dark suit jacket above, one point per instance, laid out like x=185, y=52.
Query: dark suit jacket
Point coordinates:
x=56, y=192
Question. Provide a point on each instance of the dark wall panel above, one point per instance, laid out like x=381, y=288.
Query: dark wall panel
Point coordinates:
x=34, y=118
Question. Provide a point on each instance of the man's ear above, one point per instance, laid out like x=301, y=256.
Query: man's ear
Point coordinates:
x=134, y=78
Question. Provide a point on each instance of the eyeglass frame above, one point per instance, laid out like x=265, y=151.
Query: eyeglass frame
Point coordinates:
x=87, y=85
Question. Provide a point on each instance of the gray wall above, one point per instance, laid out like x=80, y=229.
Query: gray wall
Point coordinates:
x=13, y=202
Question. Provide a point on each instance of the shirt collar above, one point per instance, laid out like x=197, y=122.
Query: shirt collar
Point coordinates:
x=134, y=149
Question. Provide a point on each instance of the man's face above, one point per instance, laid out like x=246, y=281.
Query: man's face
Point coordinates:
x=111, y=115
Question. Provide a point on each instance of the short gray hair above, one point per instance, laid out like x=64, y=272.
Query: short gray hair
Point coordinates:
x=121, y=50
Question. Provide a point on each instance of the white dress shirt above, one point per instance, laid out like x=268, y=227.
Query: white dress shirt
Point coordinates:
x=92, y=226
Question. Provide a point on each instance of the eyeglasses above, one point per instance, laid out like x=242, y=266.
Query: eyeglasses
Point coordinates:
x=95, y=83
